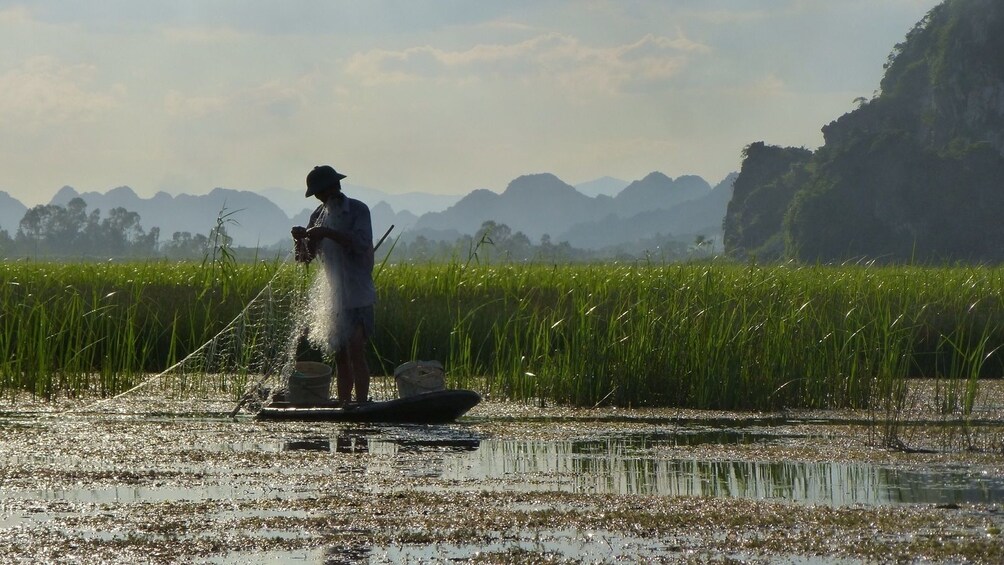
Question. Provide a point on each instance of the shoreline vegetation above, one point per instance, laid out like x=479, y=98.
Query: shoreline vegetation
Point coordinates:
x=704, y=335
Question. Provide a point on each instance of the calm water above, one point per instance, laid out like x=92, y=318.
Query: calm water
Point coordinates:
x=646, y=463
x=84, y=481
x=631, y=464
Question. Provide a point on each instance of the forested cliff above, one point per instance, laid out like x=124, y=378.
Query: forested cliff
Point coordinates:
x=914, y=174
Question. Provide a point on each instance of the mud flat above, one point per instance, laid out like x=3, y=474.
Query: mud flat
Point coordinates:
x=161, y=482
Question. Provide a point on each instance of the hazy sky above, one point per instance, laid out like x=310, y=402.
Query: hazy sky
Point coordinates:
x=438, y=96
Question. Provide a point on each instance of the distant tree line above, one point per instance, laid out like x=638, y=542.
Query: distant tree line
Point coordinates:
x=497, y=243
x=72, y=233
x=52, y=231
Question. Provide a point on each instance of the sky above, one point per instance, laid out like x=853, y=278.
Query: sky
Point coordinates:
x=440, y=96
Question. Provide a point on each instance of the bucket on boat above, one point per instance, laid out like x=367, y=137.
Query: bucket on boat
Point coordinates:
x=417, y=377
x=310, y=383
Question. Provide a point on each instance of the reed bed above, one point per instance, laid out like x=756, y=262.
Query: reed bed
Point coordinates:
x=68, y=329
x=718, y=336
x=702, y=335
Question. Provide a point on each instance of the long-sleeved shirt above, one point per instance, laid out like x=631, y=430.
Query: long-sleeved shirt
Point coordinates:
x=354, y=262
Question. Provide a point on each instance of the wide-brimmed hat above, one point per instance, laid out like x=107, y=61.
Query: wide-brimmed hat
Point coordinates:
x=322, y=178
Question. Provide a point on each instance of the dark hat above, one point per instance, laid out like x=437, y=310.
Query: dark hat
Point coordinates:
x=322, y=178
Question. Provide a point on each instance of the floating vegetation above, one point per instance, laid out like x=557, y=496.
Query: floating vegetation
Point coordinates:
x=561, y=486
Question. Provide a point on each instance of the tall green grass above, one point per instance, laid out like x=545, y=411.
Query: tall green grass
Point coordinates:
x=705, y=335
x=96, y=328
x=709, y=335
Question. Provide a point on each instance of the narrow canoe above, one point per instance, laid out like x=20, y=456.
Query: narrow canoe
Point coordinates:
x=426, y=408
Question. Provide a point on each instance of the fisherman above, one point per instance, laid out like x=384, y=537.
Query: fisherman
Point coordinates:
x=340, y=233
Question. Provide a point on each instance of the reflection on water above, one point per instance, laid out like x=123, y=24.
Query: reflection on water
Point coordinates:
x=309, y=444
x=632, y=464
x=626, y=463
x=617, y=466
x=355, y=442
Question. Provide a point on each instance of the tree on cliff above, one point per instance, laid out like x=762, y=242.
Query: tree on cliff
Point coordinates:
x=913, y=174
x=761, y=195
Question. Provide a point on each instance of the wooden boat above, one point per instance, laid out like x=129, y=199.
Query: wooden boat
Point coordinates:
x=427, y=408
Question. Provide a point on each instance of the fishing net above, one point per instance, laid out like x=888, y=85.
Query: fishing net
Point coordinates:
x=253, y=354
x=296, y=316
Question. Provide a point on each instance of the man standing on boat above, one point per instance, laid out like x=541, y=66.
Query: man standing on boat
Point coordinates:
x=340, y=233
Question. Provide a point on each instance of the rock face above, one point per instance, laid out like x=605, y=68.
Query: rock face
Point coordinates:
x=11, y=212
x=762, y=193
x=915, y=174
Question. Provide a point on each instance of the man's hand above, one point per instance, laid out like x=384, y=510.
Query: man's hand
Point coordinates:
x=302, y=249
x=317, y=233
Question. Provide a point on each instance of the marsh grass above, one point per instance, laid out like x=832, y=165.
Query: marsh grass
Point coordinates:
x=95, y=328
x=703, y=335
x=719, y=336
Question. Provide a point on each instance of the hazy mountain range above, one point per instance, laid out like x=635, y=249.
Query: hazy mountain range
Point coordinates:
x=595, y=214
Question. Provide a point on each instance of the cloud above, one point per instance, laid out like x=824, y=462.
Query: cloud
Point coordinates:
x=728, y=17
x=204, y=36
x=15, y=15
x=180, y=105
x=556, y=57
x=769, y=86
x=45, y=92
x=276, y=99
x=280, y=99
x=456, y=94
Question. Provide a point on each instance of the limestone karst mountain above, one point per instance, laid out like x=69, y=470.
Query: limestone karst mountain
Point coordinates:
x=914, y=174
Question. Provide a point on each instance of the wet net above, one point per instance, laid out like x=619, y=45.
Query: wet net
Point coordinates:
x=296, y=315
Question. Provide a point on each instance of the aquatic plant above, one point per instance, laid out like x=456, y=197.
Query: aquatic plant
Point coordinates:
x=703, y=335
x=95, y=328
